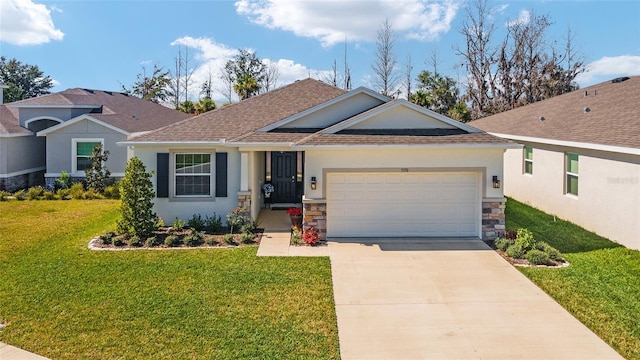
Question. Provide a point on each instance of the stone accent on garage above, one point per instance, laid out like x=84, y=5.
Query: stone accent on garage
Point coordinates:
x=493, y=225
x=314, y=214
x=23, y=181
x=244, y=201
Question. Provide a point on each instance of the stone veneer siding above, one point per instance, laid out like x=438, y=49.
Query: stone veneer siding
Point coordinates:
x=244, y=201
x=314, y=213
x=493, y=225
x=15, y=183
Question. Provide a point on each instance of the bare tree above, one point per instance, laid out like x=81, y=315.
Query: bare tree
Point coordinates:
x=271, y=75
x=180, y=78
x=207, y=86
x=347, y=69
x=384, y=65
x=408, y=76
x=226, y=75
x=332, y=78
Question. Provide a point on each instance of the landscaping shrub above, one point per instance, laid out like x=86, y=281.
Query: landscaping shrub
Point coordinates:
x=236, y=219
x=503, y=243
x=250, y=227
x=34, y=193
x=310, y=236
x=63, y=181
x=19, y=195
x=197, y=222
x=213, y=224
x=296, y=234
x=210, y=240
x=112, y=191
x=135, y=240
x=229, y=239
x=117, y=241
x=196, y=238
x=151, y=241
x=4, y=195
x=76, y=191
x=538, y=257
x=49, y=195
x=515, y=251
x=554, y=254
x=91, y=194
x=525, y=240
x=136, y=194
x=247, y=238
x=172, y=240
x=107, y=238
x=178, y=225
x=97, y=176
x=63, y=194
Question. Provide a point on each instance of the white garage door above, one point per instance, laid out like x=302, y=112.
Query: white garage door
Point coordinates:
x=403, y=204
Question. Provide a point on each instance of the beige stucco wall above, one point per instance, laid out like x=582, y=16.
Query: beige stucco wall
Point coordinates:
x=608, y=202
x=168, y=209
x=488, y=161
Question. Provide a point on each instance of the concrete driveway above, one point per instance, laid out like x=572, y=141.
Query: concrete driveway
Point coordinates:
x=447, y=299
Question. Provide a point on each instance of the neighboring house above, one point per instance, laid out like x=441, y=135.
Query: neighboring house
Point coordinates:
x=581, y=157
x=360, y=163
x=43, y=136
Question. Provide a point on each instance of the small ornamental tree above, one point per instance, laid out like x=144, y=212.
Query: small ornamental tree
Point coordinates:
x=136, y=193
x=97, y=175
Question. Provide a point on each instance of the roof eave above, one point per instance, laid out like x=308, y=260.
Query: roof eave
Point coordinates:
x=574, y=144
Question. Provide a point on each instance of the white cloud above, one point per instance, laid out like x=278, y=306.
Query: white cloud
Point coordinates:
x=23, y=22
x=524, y=17
x=211, y=57
x=609, y=67
x=334, y=21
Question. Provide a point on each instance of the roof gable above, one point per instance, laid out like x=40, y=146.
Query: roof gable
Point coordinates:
x=602, y=114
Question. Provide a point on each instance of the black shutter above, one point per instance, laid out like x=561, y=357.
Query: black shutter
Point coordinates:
x=221, y=174
x=162, y=169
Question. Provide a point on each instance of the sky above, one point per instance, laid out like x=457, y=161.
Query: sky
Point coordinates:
x=105, y=44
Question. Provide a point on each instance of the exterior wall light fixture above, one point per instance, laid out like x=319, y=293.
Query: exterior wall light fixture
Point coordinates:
x=496, y=182
x=313, y=183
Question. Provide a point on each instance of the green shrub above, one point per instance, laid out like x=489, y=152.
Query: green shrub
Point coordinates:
x=196, y=238
x=250, y=227
x=97, y=176
x=211, y=240
x=19, y=195
x=34, y=193
x=91, y=194
x=112, y=191
x=525, y=240
x=63, y=181
x=236, y=219
x=63, y=194
x=296, y=234
x=229, y=239
x=107, y=238
x=135, y=240
x=76, y=191
x=172, y=240
x=159, y=223
x=213, y=224
x=538, y=257
x=49, y=195
x=136, y=200
x=118, y=241
x=515, y=251
x=247, y=238
x=4, y=195
x=151, y=241
x=503, y=243
x=554, y=254
x=178, y=225
x=197, y=222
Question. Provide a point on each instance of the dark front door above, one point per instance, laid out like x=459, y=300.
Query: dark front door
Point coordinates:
x=283, y=176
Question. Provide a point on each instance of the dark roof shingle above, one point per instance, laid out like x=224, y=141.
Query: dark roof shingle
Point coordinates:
x=612, y=117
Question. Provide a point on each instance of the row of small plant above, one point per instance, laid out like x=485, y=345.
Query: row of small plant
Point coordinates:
x=309, y=236
x=194, y=232
x=522, y=245
x=76, y=191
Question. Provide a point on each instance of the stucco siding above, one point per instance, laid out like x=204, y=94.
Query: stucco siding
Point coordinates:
x=27, y=114
x=336, y=113
x=486, y=161
x=60, y=147
x=168, y=209
x=410, y=119
x=608, y=196
x=21, y=153
x=256, y=177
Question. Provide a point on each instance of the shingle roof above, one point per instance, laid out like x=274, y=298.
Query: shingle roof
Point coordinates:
x=9, y=121
x=612, y=117
x=128, y=113
x=238, y=121
x=363, y=139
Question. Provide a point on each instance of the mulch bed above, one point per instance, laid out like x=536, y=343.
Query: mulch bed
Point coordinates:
x=523, y=262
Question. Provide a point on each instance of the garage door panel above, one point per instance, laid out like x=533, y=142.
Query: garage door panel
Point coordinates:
x=403, y=204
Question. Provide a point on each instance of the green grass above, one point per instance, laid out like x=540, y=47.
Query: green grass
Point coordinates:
x=63, y=301
x=601, y=287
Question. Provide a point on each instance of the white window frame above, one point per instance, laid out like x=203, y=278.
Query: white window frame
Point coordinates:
x=74, y=154
x=527, y=161
x=174, y=175
x=568, y=174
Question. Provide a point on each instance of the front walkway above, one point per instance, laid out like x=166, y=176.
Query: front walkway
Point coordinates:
x=277, y=236
x=8, y=352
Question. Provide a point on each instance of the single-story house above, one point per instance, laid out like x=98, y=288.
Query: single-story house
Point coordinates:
x=43, y=136
x=581, y=157
x=361, y=164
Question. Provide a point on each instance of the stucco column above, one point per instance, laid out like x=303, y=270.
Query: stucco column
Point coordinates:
x=244, y=171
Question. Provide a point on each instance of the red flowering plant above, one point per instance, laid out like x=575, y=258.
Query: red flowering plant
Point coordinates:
x=310, y=236
x=294, y=211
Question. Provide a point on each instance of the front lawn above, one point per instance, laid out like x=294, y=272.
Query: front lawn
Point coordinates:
x=63, y=301
x=601, y=287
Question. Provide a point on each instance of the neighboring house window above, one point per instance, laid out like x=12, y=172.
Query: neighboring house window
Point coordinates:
x=528, y=160
x=193, y=174
x=572, y=174
x=82, y=149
